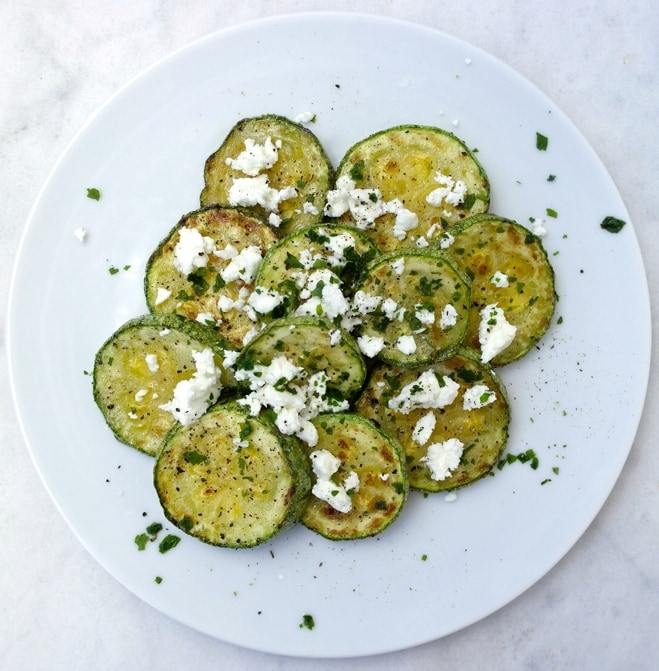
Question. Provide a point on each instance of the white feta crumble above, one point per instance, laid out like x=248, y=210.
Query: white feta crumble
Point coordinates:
x=243, y=266
x=164, y=332
x=274, y=220
x=428, y=391
x=443, y=458
x=364, y=303
x=193, y=396
x=422, y=243
x=424, y=428
x=323, y=293
x=450, y=497
x=325, y=465
x=205, y=318
x=449, y=317
x=305, y=117
x=250, y=191
x=264, y=300
x=370, y=346
x=162, y=295
x=499, y=279
x=80, y=234
x=539, y=227
x=141, y=394
x=152, y=362
x=366, y=205
x=424, y=314
x=450, y=191
x=335, y=337
x=227, y=253
x=191, y=250
x=495, y=333
x=446, y=240
x=477, y=397
x=398, y=266
x=256, y=157
x=309, y=208
x=338, y=244
x=390, y=308
x=406, y=344
x=230, y=357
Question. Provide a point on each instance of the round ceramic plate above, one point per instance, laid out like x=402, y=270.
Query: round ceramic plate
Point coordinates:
x=576, y=399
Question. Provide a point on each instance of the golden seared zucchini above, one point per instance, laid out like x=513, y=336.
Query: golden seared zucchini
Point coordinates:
x=415, y=304
x=405, y=185
x=205, y=268
x=304, y=266
x=230, y=479
x=509, y=268
x=359, y=478
x=451, y=418
x=156, y=371
x=274, y=166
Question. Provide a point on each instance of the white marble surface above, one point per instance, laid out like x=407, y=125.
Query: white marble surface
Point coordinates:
x=599, y=608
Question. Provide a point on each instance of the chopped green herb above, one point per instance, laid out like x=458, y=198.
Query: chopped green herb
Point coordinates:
x=541, y=142
x=168, y=543
x=357, y=171
x=112, y=270
x=93, y=193
x=154, y=529
x=307, y=622
x=612, y=225
x=157, y=580
x=141, y=540
x=551, y=213
x=551, y=178
x=195, y=458
x=424, y=557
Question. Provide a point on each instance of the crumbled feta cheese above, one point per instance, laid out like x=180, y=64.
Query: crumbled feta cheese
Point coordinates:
x=243, y=266
x=446, y=240
x=141, y=394
x=390, y=307
x=422, y=243
x=152, y=362
x=406, y=344
x=227, y=253
x=477, y=397
x=366, y=205
x=230, y=357
x=443, y=458
x=309, y=208
x=370, y=346
x=364, y=303
x=335, y=337
x=427, y=392
x=192, y=250
x=338, y=244
x=250, y=191
x=265, y=300
x=539, y=227
x=323, y=294
x=193, y=396
x=449, y=317
x=294, y=406
x=164, y=332
x=256, y=157
x=495, y=333
x=424, y=428
x=274, y=220
x=205, y=318
x=450, y=191
x=424, y=315
x=80, y=234
x=305, y=117
x=325, y=465
x=398, y=266
x=450, y=497
x=162, y=295
x=499, y=279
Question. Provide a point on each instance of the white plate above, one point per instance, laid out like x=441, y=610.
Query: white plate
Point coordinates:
x=576, y=400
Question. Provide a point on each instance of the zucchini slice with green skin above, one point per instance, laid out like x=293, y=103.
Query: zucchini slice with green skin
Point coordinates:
x=419, y=305
x=313, y=344
x=301, y=164
x=138, y=368
x=381, y=486
x=483, y=431
x=429, y=170
x=288, y=266
x=173, y=282
x=486, y=245
x=231, y=480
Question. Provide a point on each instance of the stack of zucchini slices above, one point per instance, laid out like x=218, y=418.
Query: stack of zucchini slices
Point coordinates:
x=319, y=342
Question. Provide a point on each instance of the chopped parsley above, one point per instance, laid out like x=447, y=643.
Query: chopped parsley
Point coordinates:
x=168, y=543
x=93, y=193
x=541, y=142
x=307, y=622
x=612, y=224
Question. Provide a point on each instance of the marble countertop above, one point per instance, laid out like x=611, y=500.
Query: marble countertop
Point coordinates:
x=599, y=607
